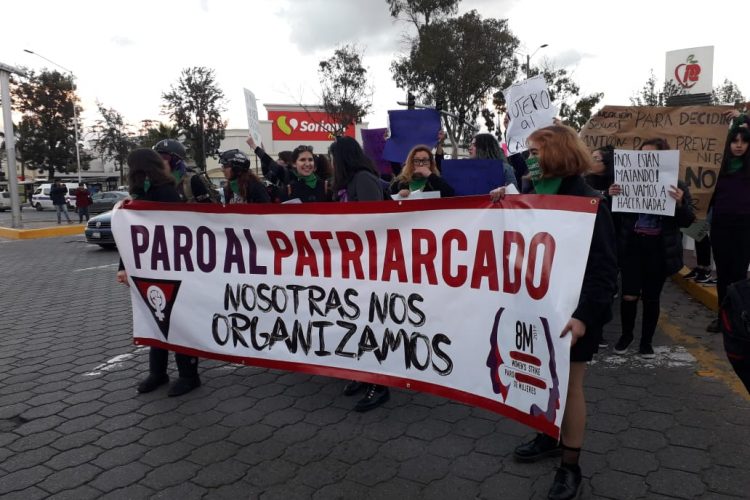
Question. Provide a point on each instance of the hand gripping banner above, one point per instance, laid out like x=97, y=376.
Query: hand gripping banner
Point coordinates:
x=459, y=297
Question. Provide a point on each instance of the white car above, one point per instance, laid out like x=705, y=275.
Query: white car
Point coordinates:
x=41, y=200
x=4, y=201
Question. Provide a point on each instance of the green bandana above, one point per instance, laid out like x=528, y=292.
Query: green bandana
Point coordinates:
x=177, y=175
x=549, y=185
x=311, y=180
x=535, y=171
x=146, y=185
x=235, y=186
x=417, y=184
x=735, y=165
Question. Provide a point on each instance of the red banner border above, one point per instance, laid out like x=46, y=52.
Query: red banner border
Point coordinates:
x=537, y=423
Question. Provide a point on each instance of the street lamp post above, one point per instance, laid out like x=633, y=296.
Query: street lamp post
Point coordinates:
x=75, y=112
x=10, y=142
x=528, y=58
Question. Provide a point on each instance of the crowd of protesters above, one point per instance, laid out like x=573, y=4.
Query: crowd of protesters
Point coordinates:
x=630, y=256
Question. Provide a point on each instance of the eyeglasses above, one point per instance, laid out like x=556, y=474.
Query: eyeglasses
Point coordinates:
x=305, y=148
x=421, y=161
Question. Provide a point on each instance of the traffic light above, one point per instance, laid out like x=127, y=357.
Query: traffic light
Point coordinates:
x=410, y=101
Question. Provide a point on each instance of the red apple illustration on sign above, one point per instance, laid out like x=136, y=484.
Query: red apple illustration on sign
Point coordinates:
x=688, y=72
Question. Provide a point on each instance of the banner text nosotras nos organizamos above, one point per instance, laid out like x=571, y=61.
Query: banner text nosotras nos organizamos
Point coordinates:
x=458, y=297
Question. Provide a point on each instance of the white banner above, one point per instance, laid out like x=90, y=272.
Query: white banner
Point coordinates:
x=383, y=292
x=530, y=108
x=645, y=178
x=251, y=106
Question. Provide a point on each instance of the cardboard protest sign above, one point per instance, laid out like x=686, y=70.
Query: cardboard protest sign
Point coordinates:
x=373, y=142
x=697, y=132
x=410, y=127
x=470, y=176
x=253, y=124
x=383, y=292
x=645, y=178
x=530, y=107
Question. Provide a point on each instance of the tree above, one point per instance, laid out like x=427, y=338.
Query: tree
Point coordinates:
x=153, y=131
x=650, y=96
x=347, y=98
x=46, y=130
x=727, y=93
x=459, y=62
x=421, y=12
x=113, y=138
x=195, y=105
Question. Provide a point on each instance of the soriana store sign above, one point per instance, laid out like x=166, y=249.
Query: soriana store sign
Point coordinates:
x=303, y=126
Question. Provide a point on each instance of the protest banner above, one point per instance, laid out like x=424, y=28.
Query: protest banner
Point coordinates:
x=410, y=127
x=382, y=292
x=373, y=142
x=530, y=107
x=253, y=124
x=471, y=176
x=697, y=132
x=645, y=178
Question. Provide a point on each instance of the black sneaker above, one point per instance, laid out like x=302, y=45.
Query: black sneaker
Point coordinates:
x=183, y=385
x=711, y=281
x=375, y=396
x=621, y=347
x=714, y=326
x=702, y=277
x=693, y=273
x=152, y=382
x=353, y=387
x=566, y=484
x=603, y=344
x=647, y=352
x=541, y=446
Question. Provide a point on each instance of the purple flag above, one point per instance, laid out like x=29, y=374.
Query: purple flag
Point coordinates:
x=410, y=127
x=373, y=141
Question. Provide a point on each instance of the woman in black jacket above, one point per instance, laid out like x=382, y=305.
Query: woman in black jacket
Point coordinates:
x=150, y=179
x=242, y=185
x=306, y=185
x=420, y=173
x=560, y=161
x=651, y=250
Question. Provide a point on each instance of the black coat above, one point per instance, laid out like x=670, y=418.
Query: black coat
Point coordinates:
x=670, y=232
x=600, y=278
x=57, y=194
x=299, y=189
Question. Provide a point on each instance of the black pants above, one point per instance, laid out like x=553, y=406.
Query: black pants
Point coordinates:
x=703, y=252
x=643, y=275
x=730, y=240
x=187, y=366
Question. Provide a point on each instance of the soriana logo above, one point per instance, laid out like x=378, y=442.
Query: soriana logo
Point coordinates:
x=303, y=126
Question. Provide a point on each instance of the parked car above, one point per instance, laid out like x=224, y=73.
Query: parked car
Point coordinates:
x=41, y=200
x=99, y=231
x=4, y=200
x=106, y=200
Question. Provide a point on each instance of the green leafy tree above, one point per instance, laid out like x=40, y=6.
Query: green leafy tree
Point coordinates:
x=727, y=93
x=459, y=62
x=113, y=138
x=46, y=139
x=347, y=98
x=195, y=105
x=421, y=12
x=652, y=94
x=152, y=131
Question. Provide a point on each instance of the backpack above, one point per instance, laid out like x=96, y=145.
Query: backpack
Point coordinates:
x=735, y=321
x=197, y=188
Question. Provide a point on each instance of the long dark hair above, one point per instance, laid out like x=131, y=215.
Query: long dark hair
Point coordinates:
x=744, y=133
x=146, y=164
x=348, y=159
x=488, y=148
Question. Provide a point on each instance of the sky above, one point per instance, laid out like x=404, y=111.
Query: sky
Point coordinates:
x=126, y=54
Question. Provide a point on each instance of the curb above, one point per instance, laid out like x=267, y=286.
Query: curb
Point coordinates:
x=704, y=294
x=43, y=232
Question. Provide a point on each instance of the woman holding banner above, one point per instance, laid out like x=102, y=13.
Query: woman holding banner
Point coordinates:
x=420, y=174
x=150, y=179
x=559, y=160
x=306, y=185
x=650, y=251
x=355, y=179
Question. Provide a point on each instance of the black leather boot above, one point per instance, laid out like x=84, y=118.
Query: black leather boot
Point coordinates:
x=375, y=396
x=541, y=446
x=353, y=387
x=566, y=484
x=183, y=385
x=152, y=382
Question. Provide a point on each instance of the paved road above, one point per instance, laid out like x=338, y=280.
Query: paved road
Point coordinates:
x=72, y=426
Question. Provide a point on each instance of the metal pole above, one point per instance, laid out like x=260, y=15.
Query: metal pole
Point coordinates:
x=10, y=148
x=528, y=63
